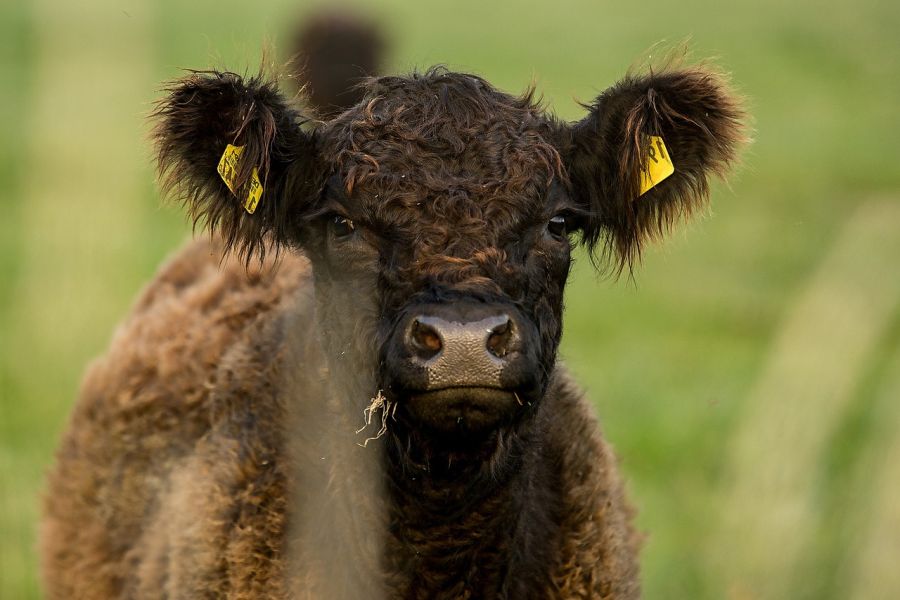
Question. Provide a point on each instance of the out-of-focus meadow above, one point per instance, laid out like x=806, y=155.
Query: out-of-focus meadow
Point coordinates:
x=749, y=373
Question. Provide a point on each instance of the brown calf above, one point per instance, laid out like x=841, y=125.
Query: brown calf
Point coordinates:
x=425, y=239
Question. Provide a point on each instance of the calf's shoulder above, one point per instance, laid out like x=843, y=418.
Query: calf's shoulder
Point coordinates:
x=202, y=336
x=599, y=546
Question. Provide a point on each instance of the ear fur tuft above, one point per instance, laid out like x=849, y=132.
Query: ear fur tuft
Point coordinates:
x=204, y=112
x=702, y=124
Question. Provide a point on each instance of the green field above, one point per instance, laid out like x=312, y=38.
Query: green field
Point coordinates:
x=748, y=374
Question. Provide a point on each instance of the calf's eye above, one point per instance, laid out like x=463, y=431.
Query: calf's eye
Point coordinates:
x=557, y=226
x=341, y=226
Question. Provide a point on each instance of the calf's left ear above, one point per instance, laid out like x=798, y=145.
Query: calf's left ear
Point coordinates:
x=620, y=156
x=233, y=151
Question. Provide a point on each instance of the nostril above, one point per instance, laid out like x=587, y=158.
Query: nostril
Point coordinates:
x=500, y=339
x=425, y=341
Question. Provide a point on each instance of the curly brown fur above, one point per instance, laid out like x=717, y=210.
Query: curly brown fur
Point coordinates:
x=173, y=479
x=216, y=452
x=152, y=467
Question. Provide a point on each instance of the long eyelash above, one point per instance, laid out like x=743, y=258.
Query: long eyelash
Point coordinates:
x=338, y=220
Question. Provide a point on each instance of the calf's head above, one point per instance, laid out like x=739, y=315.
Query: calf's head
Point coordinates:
x=440, y=215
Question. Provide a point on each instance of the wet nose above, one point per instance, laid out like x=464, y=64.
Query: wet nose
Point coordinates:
x=462, y=353
x=428, y=335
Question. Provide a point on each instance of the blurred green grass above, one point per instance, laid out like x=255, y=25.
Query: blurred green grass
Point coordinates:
x=672, y=357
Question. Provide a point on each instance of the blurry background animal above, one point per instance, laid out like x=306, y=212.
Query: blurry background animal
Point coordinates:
x=332, y=52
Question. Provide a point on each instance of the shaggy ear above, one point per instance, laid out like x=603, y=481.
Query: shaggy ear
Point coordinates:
x=207, y=113
x=616, y=148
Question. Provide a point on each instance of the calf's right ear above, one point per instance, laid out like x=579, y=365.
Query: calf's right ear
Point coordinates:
x=685, y=121
x=214, y=127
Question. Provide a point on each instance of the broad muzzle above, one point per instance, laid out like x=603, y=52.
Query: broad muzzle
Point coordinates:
x=462, y=364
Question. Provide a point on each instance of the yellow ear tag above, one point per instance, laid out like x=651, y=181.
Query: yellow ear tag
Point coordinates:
x=658, y=164
x=228, y=169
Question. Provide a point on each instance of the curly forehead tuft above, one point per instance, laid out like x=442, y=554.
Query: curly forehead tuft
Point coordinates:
x=453, y=131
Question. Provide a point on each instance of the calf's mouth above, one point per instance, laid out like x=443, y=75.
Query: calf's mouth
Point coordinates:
x=464, y=408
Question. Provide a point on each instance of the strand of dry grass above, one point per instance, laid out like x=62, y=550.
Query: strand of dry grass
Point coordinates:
x=872, y=567
x=769, y=502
